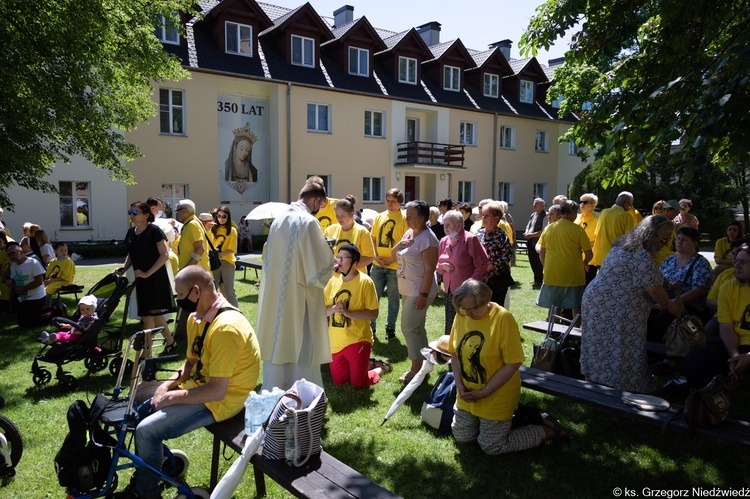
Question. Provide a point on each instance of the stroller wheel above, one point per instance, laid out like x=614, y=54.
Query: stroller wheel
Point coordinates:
x=179, y=470
x=198, y=492
x=15, y=447
x=42, y=377
x=68, y=382
x=95, y=364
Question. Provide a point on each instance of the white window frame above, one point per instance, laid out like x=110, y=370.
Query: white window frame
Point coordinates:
x=165, y=32
x=491, y=85
x=541, y=141
x=359, y=57
x=237, y=28
x=409, y=64
x=70, y=204
x=540, y=191
x=171, y=194
x=452, y=78
x=572, y=148
x=316, y=110
x=467, y=133
x=466, y=191
x=506, y=191
x=370, y=123
x=305, y=44
x=526, y=91
x=507, y=132
x=368, y=188
x=174, y=112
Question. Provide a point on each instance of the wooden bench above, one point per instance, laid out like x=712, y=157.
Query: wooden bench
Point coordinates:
x=541, y=327
x=322, y=477
x=733, y=432
x=521, y=246
x=246, y=261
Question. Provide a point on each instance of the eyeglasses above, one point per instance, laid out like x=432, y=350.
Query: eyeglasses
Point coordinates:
x=584, y=202
x=133, y=212
x=221, y=215
x=663, y=241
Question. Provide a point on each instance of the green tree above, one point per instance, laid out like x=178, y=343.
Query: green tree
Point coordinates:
x=644, y=74
x=75, y=75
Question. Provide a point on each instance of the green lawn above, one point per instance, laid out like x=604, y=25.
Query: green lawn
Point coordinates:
x=404, y=455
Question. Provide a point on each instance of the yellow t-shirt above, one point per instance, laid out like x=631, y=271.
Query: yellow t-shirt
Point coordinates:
x=223, y=241
x=588, y=223
x=564, y=243
x=192, y=231
x=713, y=293
x=230, y=350
x=359, y=294
x=613, y=223
x=723, y=249
x=387, y=231
x=666, y=251
x=501, y=224
x=483, y=347
x=637, y=217
x=327, y=214
x=65, y=269
x=734, y=307
x=4, y=271
x=357, y=235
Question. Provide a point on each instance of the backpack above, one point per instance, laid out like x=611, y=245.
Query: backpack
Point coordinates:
x=437, y=409
x=81, y=465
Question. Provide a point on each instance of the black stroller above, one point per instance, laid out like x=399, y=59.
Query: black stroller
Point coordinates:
x=99, y=346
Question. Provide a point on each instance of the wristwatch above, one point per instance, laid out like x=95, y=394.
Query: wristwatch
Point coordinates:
x=423, y=294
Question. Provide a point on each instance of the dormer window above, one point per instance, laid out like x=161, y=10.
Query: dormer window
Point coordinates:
x=452, y=78
x=239, y=39
x=491, y=85
x=303, y=51
x=407, y=70
x=359, y=61
x=527, y=91
x=165, y=31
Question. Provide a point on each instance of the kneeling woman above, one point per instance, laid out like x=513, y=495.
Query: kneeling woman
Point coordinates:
x=351, y=301
x=486, y=352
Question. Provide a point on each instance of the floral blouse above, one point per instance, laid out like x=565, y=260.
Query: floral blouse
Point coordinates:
x=499, y=250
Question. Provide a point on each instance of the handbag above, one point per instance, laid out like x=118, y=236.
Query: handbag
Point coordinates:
x=708, y=406
x=213, y=254
x=686, y=332
x=303, y=406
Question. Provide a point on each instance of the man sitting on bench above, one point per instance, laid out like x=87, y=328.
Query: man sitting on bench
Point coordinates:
x=222, y=366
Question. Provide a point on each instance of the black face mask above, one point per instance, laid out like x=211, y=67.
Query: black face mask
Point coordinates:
x=186, y=304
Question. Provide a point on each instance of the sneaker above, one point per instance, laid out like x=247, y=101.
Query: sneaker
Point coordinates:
x=390, y=333
x=43, y=337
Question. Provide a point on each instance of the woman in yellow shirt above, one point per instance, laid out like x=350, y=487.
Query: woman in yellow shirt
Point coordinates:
x=348, y=231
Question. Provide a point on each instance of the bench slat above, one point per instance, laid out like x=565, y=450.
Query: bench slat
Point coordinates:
x=541, y=327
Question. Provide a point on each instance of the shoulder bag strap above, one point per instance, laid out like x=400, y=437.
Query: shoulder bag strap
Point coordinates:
x=199, y=365
x=208, y=239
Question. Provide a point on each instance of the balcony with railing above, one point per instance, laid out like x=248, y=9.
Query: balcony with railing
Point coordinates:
x=430, y=154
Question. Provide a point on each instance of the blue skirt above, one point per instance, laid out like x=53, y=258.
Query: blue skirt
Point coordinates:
x=560, y=296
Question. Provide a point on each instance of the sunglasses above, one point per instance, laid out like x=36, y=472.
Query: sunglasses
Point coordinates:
x=585, y=202
x=133, y=212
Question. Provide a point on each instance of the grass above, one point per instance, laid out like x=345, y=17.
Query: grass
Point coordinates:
x=403, y=455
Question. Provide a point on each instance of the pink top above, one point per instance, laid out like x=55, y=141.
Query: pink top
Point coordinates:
x=467, y=256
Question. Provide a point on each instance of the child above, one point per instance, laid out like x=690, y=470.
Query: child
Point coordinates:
x=68, y=334
x=61, y=271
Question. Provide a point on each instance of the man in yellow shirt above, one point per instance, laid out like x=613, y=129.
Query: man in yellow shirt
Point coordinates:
x=588, y=220
x=613, y=223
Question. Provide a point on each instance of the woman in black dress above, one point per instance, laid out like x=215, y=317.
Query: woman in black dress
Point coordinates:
x=148, y=251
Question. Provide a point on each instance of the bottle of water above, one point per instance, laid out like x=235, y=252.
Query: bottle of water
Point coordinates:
x=269, y=402
x=253, y=413
x=290, y=443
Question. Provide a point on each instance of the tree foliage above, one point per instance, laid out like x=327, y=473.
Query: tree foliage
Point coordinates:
x=74, y=76
x=643, y=74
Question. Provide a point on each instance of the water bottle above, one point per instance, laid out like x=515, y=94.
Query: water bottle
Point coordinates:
x=269, y=402
x=290, y=443
x=253, y=413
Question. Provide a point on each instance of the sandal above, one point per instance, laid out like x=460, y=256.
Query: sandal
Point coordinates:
x=169, y=349
x=558, y=432
x=407, y=376
x=377, y=363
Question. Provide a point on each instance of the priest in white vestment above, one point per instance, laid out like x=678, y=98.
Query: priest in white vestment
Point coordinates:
x=292, y=327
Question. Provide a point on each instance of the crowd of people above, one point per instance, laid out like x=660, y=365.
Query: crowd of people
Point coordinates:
x=325, y=269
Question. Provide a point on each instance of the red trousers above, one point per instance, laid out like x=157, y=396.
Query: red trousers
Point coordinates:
x=350, y=366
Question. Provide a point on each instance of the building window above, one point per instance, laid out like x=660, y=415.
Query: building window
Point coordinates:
x=556, y=103
x=452, y=78
x=239, y=39
x=541, y=141
x=303, y=51
x=75, y=203
x=374, y=124
x=171, y=195
x=407, y=70
x=326, y=181
x=540, y=191
x=527, y=91
x=372, y=189
x=359, y=61
x=467, y=133
x=318, y=118
x=507, y=137
x=572, y=148
x=506, y=192
x=465, y=191
x=172, y=111
x=491, y=85
x=165, y=31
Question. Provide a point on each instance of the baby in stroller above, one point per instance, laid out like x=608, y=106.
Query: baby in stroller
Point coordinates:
x=69, y=333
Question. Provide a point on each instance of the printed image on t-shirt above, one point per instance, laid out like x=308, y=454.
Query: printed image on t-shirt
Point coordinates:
x=338, y=320
x=385, y=235
x=745, y=322
x=469, y=354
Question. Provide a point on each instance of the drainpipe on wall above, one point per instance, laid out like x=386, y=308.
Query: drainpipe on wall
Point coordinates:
x=494, y=158
x=450, y=185
x=289, y=142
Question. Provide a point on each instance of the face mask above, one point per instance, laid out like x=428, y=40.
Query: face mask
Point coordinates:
x=186, y=304
x=453, y=234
